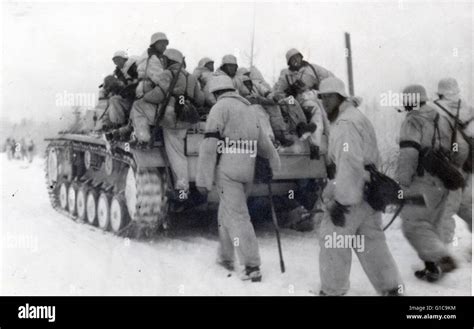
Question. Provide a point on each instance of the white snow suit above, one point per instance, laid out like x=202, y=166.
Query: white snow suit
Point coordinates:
x=352, y=145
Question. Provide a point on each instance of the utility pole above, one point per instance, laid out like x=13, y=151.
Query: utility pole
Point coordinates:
x=348, y=53
x=253, y=36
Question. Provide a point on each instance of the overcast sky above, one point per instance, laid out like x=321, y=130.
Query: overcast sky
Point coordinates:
x=49, y=49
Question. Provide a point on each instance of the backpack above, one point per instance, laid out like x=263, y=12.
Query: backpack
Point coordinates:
x=437, y=162
x=185, y=110
x=459, y=126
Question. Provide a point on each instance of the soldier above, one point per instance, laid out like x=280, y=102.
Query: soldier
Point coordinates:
x=123, y=94
x=461, y=116
x=352, y=146
x=174, y=127
x=428, y=229
x=229, y=68
x=126, y=67
x=301, y=81
x=258, y=94
x=232, y=119
x=8, y=148
x=150, y=65
x=203, y=72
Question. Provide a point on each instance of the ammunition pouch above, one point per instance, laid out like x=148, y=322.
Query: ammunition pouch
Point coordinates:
x=331, y=170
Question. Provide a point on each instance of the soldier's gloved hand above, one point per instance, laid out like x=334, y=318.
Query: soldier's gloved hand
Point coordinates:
x=253, y=99
x=278, y=97
x=337, y=212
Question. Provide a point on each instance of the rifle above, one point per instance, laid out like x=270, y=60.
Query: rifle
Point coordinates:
x=277, y=229
x=417, y=200
x=162, y=108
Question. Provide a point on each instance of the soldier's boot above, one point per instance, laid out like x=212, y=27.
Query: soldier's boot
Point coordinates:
x=252, y=273
x=227, y=264
x=447, y=264
x=280, y=137
x=430, y=273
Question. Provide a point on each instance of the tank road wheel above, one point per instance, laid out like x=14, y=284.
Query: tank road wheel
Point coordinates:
x=52, y=167
x=91, y=207
x=52, y=173
x=103, y=211
x=145, y=197
x=71, y=199
x=118, y=214
x=81, y=203
x=63, y=195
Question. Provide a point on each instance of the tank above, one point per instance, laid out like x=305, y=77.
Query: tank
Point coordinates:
x=127, y=190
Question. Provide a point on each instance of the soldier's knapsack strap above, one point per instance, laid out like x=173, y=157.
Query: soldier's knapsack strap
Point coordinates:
x=318, y=79
x=436, y=132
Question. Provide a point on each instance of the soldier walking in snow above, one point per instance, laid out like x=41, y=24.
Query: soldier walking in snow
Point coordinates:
x=428, y=166
x=231, y=118
x=352, y=146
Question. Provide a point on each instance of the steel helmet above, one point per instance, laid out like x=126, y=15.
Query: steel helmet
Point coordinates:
x=229, y=59
x=204, y=61
x=290, y=53
x=448, y=87
x=243, y=71
x=174, y=55
x=157, y=37
x=332, y=85
x=220, y=82
x=121, y=54
x=418, y=90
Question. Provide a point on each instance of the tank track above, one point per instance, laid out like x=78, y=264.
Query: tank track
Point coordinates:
x=151, y=201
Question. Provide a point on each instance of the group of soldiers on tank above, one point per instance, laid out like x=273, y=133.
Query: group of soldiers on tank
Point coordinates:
x=308, y=103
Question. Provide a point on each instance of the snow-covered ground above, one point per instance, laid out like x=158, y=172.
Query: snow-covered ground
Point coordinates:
x=44, y=253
